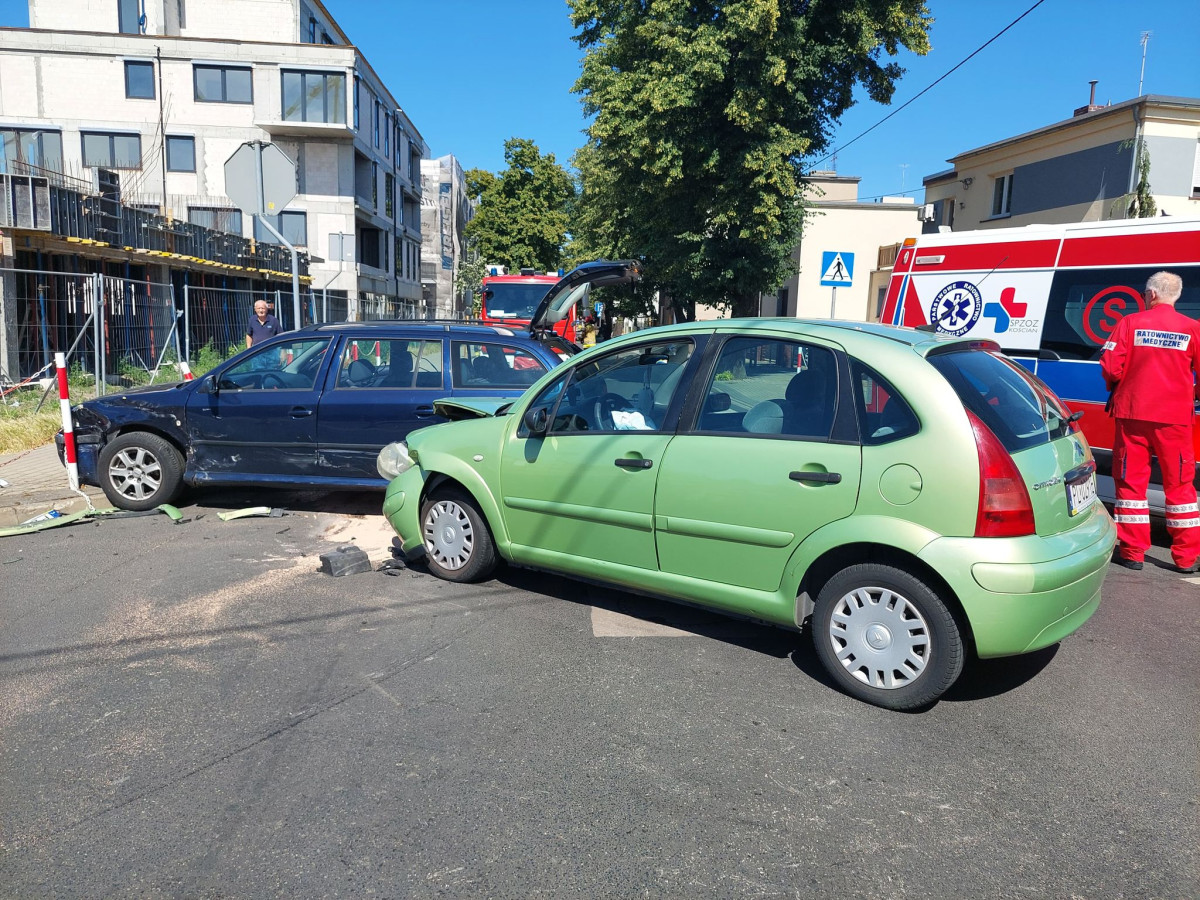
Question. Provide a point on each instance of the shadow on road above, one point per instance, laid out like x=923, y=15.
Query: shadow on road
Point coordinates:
x=980, y=678
x=992, y=677
x=764, y=639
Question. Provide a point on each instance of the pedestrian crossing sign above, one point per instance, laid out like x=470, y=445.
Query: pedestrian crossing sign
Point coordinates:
x=837, y=268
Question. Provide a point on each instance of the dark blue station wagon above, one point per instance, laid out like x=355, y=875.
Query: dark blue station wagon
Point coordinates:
x=309, y=408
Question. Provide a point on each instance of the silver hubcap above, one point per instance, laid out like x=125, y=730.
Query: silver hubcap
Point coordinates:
x=135, y=472
x=449, y=537
x=880, y=638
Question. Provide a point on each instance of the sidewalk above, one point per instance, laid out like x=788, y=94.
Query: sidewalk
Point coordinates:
x=37, y=482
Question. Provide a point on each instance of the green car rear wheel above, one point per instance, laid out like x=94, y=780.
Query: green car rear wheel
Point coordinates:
x=886, y=637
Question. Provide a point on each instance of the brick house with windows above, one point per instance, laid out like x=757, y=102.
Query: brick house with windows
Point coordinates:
x=164, y=91
x=1081, y=169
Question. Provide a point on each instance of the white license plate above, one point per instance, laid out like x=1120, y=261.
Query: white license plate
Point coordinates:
x=1081, y=495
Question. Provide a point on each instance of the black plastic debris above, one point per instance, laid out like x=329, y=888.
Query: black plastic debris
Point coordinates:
x=345, y=560
x=392, y=566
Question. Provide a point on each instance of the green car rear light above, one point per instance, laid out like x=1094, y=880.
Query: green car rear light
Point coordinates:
x=1005, y=509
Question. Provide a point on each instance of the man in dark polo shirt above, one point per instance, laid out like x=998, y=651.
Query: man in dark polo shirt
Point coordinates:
x=262, y=324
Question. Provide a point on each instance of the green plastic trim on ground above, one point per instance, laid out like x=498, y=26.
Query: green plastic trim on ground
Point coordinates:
x=110, y=512
x=274, y=512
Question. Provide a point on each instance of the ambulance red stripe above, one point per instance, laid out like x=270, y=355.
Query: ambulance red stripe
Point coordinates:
x=983, y=257
x=1157, y=248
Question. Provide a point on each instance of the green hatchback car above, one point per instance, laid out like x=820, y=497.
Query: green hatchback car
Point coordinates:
x=915, y=497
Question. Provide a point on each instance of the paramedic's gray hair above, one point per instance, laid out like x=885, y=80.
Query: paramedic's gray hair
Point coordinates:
x=1167, y=285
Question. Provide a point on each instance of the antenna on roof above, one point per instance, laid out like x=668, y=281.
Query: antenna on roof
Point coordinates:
x=1142, y=77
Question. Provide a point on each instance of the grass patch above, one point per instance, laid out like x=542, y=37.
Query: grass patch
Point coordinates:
x=27, y=430
x=23, y=426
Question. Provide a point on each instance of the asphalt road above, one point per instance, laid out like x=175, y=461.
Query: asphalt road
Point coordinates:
x=196, y=711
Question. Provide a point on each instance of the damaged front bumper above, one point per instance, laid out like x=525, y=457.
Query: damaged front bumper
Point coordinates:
x=89, y=441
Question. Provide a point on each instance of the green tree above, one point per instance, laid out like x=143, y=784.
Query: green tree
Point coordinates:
x=469, y=279
x=1141, y=204
x=521, y=220
x=704, y=112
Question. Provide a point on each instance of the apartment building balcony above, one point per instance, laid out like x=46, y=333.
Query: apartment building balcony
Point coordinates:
x=331, y=131
x=313, y=105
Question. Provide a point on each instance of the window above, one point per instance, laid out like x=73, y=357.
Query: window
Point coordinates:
x=1196, y=173
x=356, y=103
x=389, y=196
x=112, y=151
x=368, y=247
x=377, y=108
x=627, y=390
x=387, y=134
x=128, y=17
x=884, y=415
x=325, y=38
x=292, y=365
x=292, y=224
x=314, y=97
x=181, y=153
x=139, y=80
x=493, y=366
x=771, y=388
x=312, y=30
x=1085, y=305
x=222, y=84
x=372, y=363
x=216, y=218
x=39, y=149
x=1010, y=401
x=1002, y=195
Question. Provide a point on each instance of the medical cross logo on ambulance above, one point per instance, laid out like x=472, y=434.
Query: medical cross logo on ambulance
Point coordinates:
x=1050, y=295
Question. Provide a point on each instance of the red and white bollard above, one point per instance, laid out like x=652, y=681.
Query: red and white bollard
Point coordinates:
x=64, y=405
x=186, y=370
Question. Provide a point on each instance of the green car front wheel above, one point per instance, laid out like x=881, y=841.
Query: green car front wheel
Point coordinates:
x=458, y=544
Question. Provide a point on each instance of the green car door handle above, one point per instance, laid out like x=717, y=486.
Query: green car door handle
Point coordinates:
x=822, y=477
x=634, y=463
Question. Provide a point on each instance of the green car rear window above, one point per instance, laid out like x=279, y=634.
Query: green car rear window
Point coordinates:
x=1018, y=408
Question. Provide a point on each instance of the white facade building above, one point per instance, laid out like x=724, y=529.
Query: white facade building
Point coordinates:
x=838, y=224
x=167, y=97
x=445, y=211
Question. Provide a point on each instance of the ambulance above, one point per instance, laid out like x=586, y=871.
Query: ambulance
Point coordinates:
x=1050, y=295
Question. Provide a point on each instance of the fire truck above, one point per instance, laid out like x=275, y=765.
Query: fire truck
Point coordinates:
x=510, y=300
x=1051, y=296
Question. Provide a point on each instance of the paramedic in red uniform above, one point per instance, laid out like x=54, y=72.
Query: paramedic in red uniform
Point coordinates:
x=1150, y=366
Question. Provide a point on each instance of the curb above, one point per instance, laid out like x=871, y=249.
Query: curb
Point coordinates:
x=19, y=509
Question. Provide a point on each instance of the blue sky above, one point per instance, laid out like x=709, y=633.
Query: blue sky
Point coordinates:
x=473, y=73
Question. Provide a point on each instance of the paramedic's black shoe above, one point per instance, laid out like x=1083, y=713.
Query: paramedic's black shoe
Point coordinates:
x=1189, y=570
x=1135, y=564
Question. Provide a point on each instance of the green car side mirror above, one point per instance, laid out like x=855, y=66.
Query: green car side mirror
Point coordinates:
x=537, y=420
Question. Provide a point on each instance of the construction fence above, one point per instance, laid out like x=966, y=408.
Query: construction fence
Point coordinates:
x=124, y=332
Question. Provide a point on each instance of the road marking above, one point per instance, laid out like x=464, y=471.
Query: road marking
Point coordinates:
x=1192, y=580
x=606, y=623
